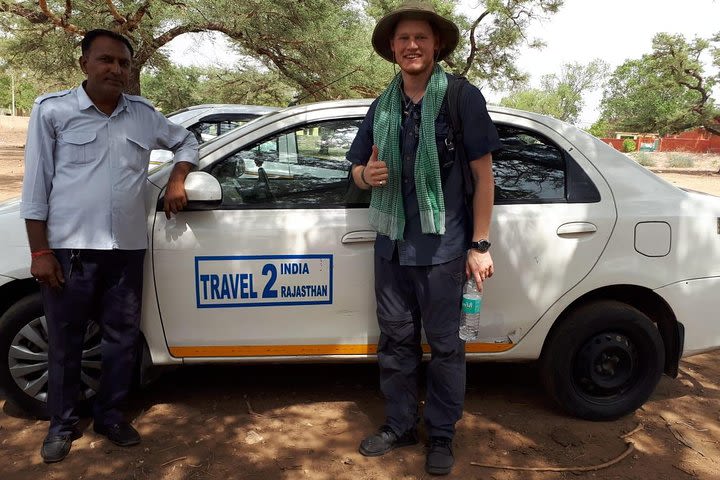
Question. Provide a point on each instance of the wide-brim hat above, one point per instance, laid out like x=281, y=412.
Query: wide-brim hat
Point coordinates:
x=414, y=10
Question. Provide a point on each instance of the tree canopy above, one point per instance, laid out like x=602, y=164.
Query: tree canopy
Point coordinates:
x=291, y=48
x=19, y=85
x=560, y=95
x=666, y=91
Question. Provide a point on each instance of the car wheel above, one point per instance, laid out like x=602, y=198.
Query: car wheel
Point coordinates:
x=24, y=356
x=603, y=361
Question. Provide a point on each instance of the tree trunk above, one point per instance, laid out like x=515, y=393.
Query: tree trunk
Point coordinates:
x=133, y=86
x=713, y=128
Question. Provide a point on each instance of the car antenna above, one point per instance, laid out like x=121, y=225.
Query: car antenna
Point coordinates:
x=298, y=100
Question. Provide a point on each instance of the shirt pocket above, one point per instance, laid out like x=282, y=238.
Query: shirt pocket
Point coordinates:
x=78, y=147
x=137, y=154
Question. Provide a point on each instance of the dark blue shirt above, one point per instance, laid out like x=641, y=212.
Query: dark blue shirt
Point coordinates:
x=479, y=138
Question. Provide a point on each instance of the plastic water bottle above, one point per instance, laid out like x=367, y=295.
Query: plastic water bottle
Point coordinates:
x=470, y=316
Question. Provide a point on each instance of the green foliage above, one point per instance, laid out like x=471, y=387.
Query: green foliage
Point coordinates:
x=320, y=47
x=572, y=83
x=666, y=91
x=629, y=145
x=560, y=95
x=25, y=88
x=173, y=88
x=49, y=55
x=491, y=36
x=308, y=43
x=601, y=128
x=311, y=50
x=534, y=100
x=249, y=87
x=680, y=160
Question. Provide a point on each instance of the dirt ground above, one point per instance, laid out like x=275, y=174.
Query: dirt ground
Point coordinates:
x=11, y=162
x=305, y=421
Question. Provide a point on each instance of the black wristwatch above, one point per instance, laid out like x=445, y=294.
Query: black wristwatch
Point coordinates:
x=482, y=246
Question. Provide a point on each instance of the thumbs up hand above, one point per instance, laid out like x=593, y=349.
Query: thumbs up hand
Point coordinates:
x=375, y=172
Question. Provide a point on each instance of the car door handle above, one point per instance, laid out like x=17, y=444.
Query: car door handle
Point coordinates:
x=363, y=236
x=576, y=229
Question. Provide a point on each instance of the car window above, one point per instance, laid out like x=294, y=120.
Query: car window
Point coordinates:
x=300, y=168
x=205, y=131
x=528, y=168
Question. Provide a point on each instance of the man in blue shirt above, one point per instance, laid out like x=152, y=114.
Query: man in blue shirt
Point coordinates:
x=429, y=239
x=84, y=205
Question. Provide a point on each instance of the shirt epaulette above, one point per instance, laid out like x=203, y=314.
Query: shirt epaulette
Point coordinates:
x=61, y=93
x=139, y=99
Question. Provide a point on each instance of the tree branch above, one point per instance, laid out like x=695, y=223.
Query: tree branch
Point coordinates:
x=712, y=128
x=142, y=55
x=473, y=43
x=699, y=107
x=115, y=14
x=194, y=28
x=28, y=14
x=137, y=17
x=57, y=21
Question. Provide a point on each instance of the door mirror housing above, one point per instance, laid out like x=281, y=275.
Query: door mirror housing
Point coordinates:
x=203, y=191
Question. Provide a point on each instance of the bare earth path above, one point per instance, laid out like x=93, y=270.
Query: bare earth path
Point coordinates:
x=305, y=421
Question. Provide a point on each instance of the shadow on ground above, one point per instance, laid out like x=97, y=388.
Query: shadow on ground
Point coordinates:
x=305, y=421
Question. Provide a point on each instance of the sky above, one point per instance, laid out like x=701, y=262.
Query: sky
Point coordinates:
x=612, y=30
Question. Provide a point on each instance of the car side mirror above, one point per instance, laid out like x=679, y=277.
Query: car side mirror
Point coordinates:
x=203, y=191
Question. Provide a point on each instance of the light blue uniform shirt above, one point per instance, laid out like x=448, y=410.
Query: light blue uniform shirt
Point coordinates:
x=85, y=172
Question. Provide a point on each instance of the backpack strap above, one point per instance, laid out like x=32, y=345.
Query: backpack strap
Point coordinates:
x=454, y=140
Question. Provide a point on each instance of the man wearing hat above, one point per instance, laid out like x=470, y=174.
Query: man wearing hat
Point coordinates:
x=429, y=238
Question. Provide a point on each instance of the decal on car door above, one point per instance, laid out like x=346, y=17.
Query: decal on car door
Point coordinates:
x=263, y=280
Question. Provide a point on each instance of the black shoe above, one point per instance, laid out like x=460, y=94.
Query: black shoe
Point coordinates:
x=122, y=434
x=56, y=447
x=439, y=460
x=385, y=440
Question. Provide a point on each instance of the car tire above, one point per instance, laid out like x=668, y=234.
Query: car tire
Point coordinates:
x=603, y=361
x=23, y=356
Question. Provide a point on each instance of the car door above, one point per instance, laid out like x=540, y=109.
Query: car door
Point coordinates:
x=553, y=216
x=284, y=266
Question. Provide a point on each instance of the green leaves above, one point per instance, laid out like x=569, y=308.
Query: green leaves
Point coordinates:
x=310, y=49
x=561, y=95
x=666, y=91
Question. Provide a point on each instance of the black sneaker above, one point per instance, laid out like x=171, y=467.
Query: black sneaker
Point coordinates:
x=121, y=434
x=439, y=460
x=385, y=440
x=56, y=447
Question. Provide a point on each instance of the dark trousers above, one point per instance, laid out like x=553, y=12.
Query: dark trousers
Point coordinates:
x=409, y=298
x=106, y=286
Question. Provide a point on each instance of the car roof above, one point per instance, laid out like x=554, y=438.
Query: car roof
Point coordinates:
x=218, y=112
x=277, y=114
x=228, y=108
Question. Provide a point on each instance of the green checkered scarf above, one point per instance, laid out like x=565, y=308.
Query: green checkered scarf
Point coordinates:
x=387, y=213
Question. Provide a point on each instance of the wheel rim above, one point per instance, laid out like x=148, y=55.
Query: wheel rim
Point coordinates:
x=28, y=360
x=606, y=366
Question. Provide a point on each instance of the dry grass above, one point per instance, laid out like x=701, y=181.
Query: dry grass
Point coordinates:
x=677, y=160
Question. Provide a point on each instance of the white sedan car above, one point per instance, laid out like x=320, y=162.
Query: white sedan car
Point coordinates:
x=605, y=273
